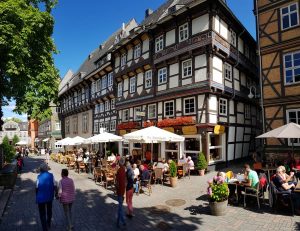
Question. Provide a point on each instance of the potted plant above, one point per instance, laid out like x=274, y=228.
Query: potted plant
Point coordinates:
x=218, y=193
x=173, y=174
x=201, y=164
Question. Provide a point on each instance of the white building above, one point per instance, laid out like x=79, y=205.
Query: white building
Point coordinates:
x=12, y=128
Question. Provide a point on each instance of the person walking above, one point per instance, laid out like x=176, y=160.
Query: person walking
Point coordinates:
x=45, y=189
x=129, y=189
x=120, y=186
x=66, y=195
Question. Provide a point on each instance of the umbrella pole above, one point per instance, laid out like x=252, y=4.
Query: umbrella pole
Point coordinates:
x=293, y=147
x=105, y=149
x=151, y=151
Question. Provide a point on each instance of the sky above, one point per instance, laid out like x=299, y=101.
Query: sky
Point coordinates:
x=82, y=25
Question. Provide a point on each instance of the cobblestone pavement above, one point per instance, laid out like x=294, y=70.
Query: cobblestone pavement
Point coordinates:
x=95, y=207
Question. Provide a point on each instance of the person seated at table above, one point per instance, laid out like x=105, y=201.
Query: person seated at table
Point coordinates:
x=144, y=163
x=136, y=172
x=144, y=175
x=166, y=166
x=159, y=164
x=190, y=162
x=286, y=177
x=251, y=180
x=281, y=185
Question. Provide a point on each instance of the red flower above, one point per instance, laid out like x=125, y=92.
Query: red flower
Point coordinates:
x=128, y=125
x=185, y=120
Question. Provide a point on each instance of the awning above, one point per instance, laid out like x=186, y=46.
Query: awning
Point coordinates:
x=36, y=140
x=45, y=140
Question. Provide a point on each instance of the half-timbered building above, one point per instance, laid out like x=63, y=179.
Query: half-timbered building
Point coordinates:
x=279, y=42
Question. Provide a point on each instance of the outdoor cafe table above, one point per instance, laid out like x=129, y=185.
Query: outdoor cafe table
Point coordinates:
x=235, y=182
x=269, y=170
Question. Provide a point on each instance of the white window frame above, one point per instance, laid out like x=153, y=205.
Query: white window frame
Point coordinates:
x=132, y=84
x=97, y=109
x=101, y=107
x=123, y=59
x=113, y=104
x=282, y=15
x=162, y=75
x=232, y=37
x=120, y=89
x=296, y=141
x=57, y=126
x=165, y=108
x=98, y=85
x=137, y=51
x=149, y=107
x=247, y=111
x=112, y=125
x=292, y=68
x=125, y=115
x=85, y=126
x=148, y=79
x=96, y=127
x=159, y=43
x=183, y=32
x=223, y=106
x=104, y=82
x=228, y=71
x=135, y=110
x=184, y=106
x=107, y=105
x=187, y=68
x=109, y=79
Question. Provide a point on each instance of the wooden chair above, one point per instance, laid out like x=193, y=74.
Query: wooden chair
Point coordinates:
x=146, y=184
x=70, y=163
x=257, y=192
x=108, y=177
x=82, y=167
x=158, y=175
x=97, y=174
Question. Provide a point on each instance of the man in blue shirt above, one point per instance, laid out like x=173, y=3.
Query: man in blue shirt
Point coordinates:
x=45, y=189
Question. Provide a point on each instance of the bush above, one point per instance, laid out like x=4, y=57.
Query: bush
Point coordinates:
x=217, y=190
x=8, y=150
x=173, y=169
x=201, y=162
x=15, y=140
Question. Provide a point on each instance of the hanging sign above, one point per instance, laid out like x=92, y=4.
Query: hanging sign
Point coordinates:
x=189, y=130
x=219, y=129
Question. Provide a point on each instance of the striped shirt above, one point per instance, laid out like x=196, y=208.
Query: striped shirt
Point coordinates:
x=66, y=190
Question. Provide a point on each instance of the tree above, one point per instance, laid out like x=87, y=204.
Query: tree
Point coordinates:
x=17, y=120
x=8, y=150
x=27, y=72
x=15, y=140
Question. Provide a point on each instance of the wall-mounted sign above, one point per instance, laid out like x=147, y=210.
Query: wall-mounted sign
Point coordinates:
x=140, y=113
x=122, y=132
x=219, y=129
x=189, y=130
x=169, y=129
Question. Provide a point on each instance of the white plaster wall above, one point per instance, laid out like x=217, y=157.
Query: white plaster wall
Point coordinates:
x=231, y=107
x=146, y=55
x=222, y=119
x=131, y=112
x=174, y=69
x=178, y=104
x=130, y=54
x=162, y=87
x=186, y=81
x=173, y=81
x=228, y=83
x=213, y=117
x=140, y=79
x=200, y=61
x=212, y=103
x=232, y=119
x=159, y=108
x=125, y=85
x=200, y=101
x=200, y=75
x=145, y=45
x=224, y=29
x=170, y=37
x=243, y=79
x=125, y=94
x=231, y=134
x=200, y=24
x=117, y=61
x=241, y=45
x=240, y=107
x=239, y=133
x=238, y=151
x=139, y=90
x=217, y=71
x=230, y=151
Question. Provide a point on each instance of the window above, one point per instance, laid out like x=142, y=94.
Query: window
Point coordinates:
x=292, y=67
x=183, y=32
x=125, y=116
x=120, y=90
x=97, y=109
x=151, y=111
x=123, y=59
x=57, y=109
x=132, y=85
x=247, y=111
x=82, y=94
x=67, y=126
x=189, y=106
x=112, y=103
x=96, y=127
x=162, y=75
x=93, y=90
x=112, y=125
x=136, y=111
x=101, y=107
x=159, y=43
x=223, y=107
x=110, y=79
x=169, y=108
x=98, y=85
x=107, y=107
x=148, y=79
x=232, y=38
x=187, y=68
x=106, y=126
x=104, y=82
x=57, y=126
x=227, y=71
x=137, y=51
x=85, y=123
x=293, y=115
x=289, y=16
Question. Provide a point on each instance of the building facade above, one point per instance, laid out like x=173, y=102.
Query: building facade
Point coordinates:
x=279, y=42
x=187, y=68
x=11, y=128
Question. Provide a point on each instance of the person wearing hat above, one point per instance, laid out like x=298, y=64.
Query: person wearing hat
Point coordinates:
x=45, y=190
x=190, y=163
x=120, y=188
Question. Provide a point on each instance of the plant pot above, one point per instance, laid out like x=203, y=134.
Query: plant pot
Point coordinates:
x=173, y=181
x=201, y=172
x=218, y=208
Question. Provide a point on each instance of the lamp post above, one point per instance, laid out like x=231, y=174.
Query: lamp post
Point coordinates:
x=251, y=89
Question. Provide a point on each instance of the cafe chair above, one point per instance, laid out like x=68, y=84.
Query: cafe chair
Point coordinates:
x=108, y=178
x=97, y=174
x=146, y=184
x=186, y=170
x=257, y=192
x=158, y=175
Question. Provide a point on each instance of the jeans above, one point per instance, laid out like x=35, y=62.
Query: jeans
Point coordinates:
x=68, y=214
x=45, y=219
x=136, y=190
x=129, y=195
x=120, y=210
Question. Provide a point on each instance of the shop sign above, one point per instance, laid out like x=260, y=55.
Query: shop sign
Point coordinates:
x=169, y=129
x=219, y=129
x=189, y=130
x=122, y=132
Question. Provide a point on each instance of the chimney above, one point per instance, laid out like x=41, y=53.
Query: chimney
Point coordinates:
x=148, y=12
x=123, y=26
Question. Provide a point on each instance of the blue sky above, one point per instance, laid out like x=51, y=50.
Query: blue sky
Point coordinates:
x=82, y=25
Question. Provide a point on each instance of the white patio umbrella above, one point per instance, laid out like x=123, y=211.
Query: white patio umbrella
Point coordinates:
x=288, y=131
x=64, y=141
x=153, y=135
x=22, y=142
x=77, y=140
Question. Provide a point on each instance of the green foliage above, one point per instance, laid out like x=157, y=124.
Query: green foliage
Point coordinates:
x=15, y=140
x=218, y=190
x=201, y=162
x=173, y=169
x=27, y=72
x=17, y=120
x=8, y=150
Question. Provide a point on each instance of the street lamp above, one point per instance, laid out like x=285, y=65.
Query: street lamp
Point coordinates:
x=250, y=96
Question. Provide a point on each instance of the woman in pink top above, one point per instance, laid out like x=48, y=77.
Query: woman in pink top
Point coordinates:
x=66, y=194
